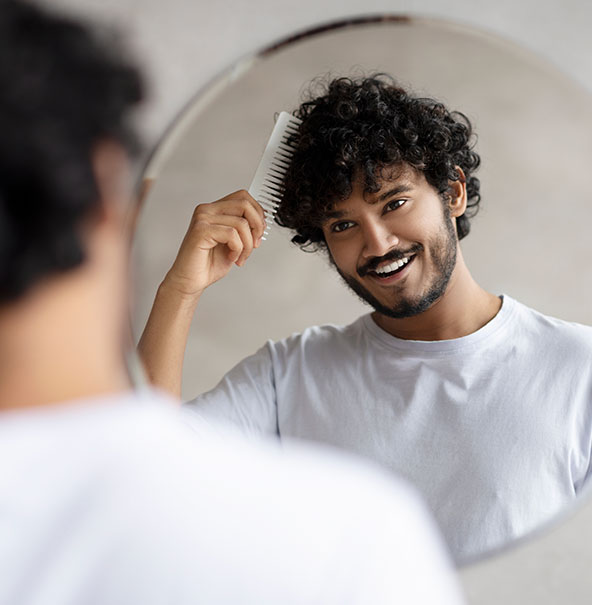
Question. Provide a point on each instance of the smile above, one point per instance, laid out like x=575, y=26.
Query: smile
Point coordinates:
x=392, y=268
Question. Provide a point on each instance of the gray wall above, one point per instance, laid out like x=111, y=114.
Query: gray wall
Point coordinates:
x=184, y=43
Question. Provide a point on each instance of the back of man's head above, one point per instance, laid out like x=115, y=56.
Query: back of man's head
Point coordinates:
x=63, y=90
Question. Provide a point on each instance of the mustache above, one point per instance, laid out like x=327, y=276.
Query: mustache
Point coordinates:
x=391, y=256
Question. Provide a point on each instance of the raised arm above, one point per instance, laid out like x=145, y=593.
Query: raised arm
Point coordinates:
x=220, y=234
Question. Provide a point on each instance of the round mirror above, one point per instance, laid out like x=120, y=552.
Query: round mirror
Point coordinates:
x=529, y=240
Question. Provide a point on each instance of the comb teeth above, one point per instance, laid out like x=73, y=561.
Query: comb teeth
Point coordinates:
x=267, y=186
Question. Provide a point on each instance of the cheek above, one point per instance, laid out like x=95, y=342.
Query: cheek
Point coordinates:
x=421, y=226
x=341, y=257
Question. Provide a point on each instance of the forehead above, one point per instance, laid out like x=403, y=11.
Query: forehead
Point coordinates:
x=391, y=180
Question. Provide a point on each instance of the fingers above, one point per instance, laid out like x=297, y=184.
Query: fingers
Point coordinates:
x=209, y=230
x=220, y=233
x=240, y=204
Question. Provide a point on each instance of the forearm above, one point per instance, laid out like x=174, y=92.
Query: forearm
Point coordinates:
x=220, y=234
x=162, y=345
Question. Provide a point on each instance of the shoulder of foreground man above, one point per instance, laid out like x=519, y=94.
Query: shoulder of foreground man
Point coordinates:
x=322, y=515
x=146, y=509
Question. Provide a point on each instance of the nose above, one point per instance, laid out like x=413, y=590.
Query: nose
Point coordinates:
x=378, y=239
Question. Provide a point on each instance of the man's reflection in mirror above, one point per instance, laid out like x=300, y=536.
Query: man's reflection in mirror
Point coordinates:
x=481, y=402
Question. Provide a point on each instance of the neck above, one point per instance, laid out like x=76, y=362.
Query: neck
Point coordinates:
x=464, y=308
x=62, y=342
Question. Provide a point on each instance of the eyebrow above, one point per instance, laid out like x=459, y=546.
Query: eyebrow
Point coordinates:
x=402, y=188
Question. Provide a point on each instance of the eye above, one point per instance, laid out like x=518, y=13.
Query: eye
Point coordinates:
x=341, y=226
x=393, y=205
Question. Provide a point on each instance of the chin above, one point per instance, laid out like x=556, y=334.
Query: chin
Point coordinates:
x=408, y=308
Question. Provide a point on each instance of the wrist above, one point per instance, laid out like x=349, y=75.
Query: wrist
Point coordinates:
x=178, y=290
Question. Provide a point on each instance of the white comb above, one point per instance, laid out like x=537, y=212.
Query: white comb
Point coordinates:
x=267, y=186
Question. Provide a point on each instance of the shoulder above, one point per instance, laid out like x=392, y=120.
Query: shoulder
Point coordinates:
x=320, y=338
x=162, y=450
x=561, y=336
x=185, y=510
x=209, y=498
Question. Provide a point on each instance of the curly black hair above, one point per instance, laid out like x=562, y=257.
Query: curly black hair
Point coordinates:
x=360, y=127
x=63, y=88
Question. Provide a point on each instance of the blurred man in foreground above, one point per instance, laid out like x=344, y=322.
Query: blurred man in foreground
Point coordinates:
x=106, y=494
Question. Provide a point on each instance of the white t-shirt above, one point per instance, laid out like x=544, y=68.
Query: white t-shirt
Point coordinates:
x=493, y=428
x=117, y=501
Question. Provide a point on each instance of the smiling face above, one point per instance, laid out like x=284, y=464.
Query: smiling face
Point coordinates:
x=396, y=248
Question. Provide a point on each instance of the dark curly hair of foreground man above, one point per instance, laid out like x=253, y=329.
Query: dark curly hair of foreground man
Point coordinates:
x=62, y=90
x=358, y=129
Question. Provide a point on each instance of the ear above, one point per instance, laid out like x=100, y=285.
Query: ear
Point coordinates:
x=457, y=199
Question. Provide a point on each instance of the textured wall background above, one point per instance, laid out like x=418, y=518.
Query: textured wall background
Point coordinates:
x=184, y=43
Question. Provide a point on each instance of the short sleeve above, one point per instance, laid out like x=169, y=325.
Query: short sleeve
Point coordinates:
x=245, y=397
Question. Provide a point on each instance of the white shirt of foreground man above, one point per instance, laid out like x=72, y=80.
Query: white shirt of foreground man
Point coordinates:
x=113, y=500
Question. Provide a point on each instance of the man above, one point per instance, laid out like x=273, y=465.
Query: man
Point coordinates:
x=481, y=402
x=105, y=495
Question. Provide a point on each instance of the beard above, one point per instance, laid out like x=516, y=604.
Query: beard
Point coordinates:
x=443, y=252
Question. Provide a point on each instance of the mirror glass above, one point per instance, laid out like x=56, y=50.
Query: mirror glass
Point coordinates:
x=530, y=239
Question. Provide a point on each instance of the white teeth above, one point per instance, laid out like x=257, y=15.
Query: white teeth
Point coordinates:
x=392, y=266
